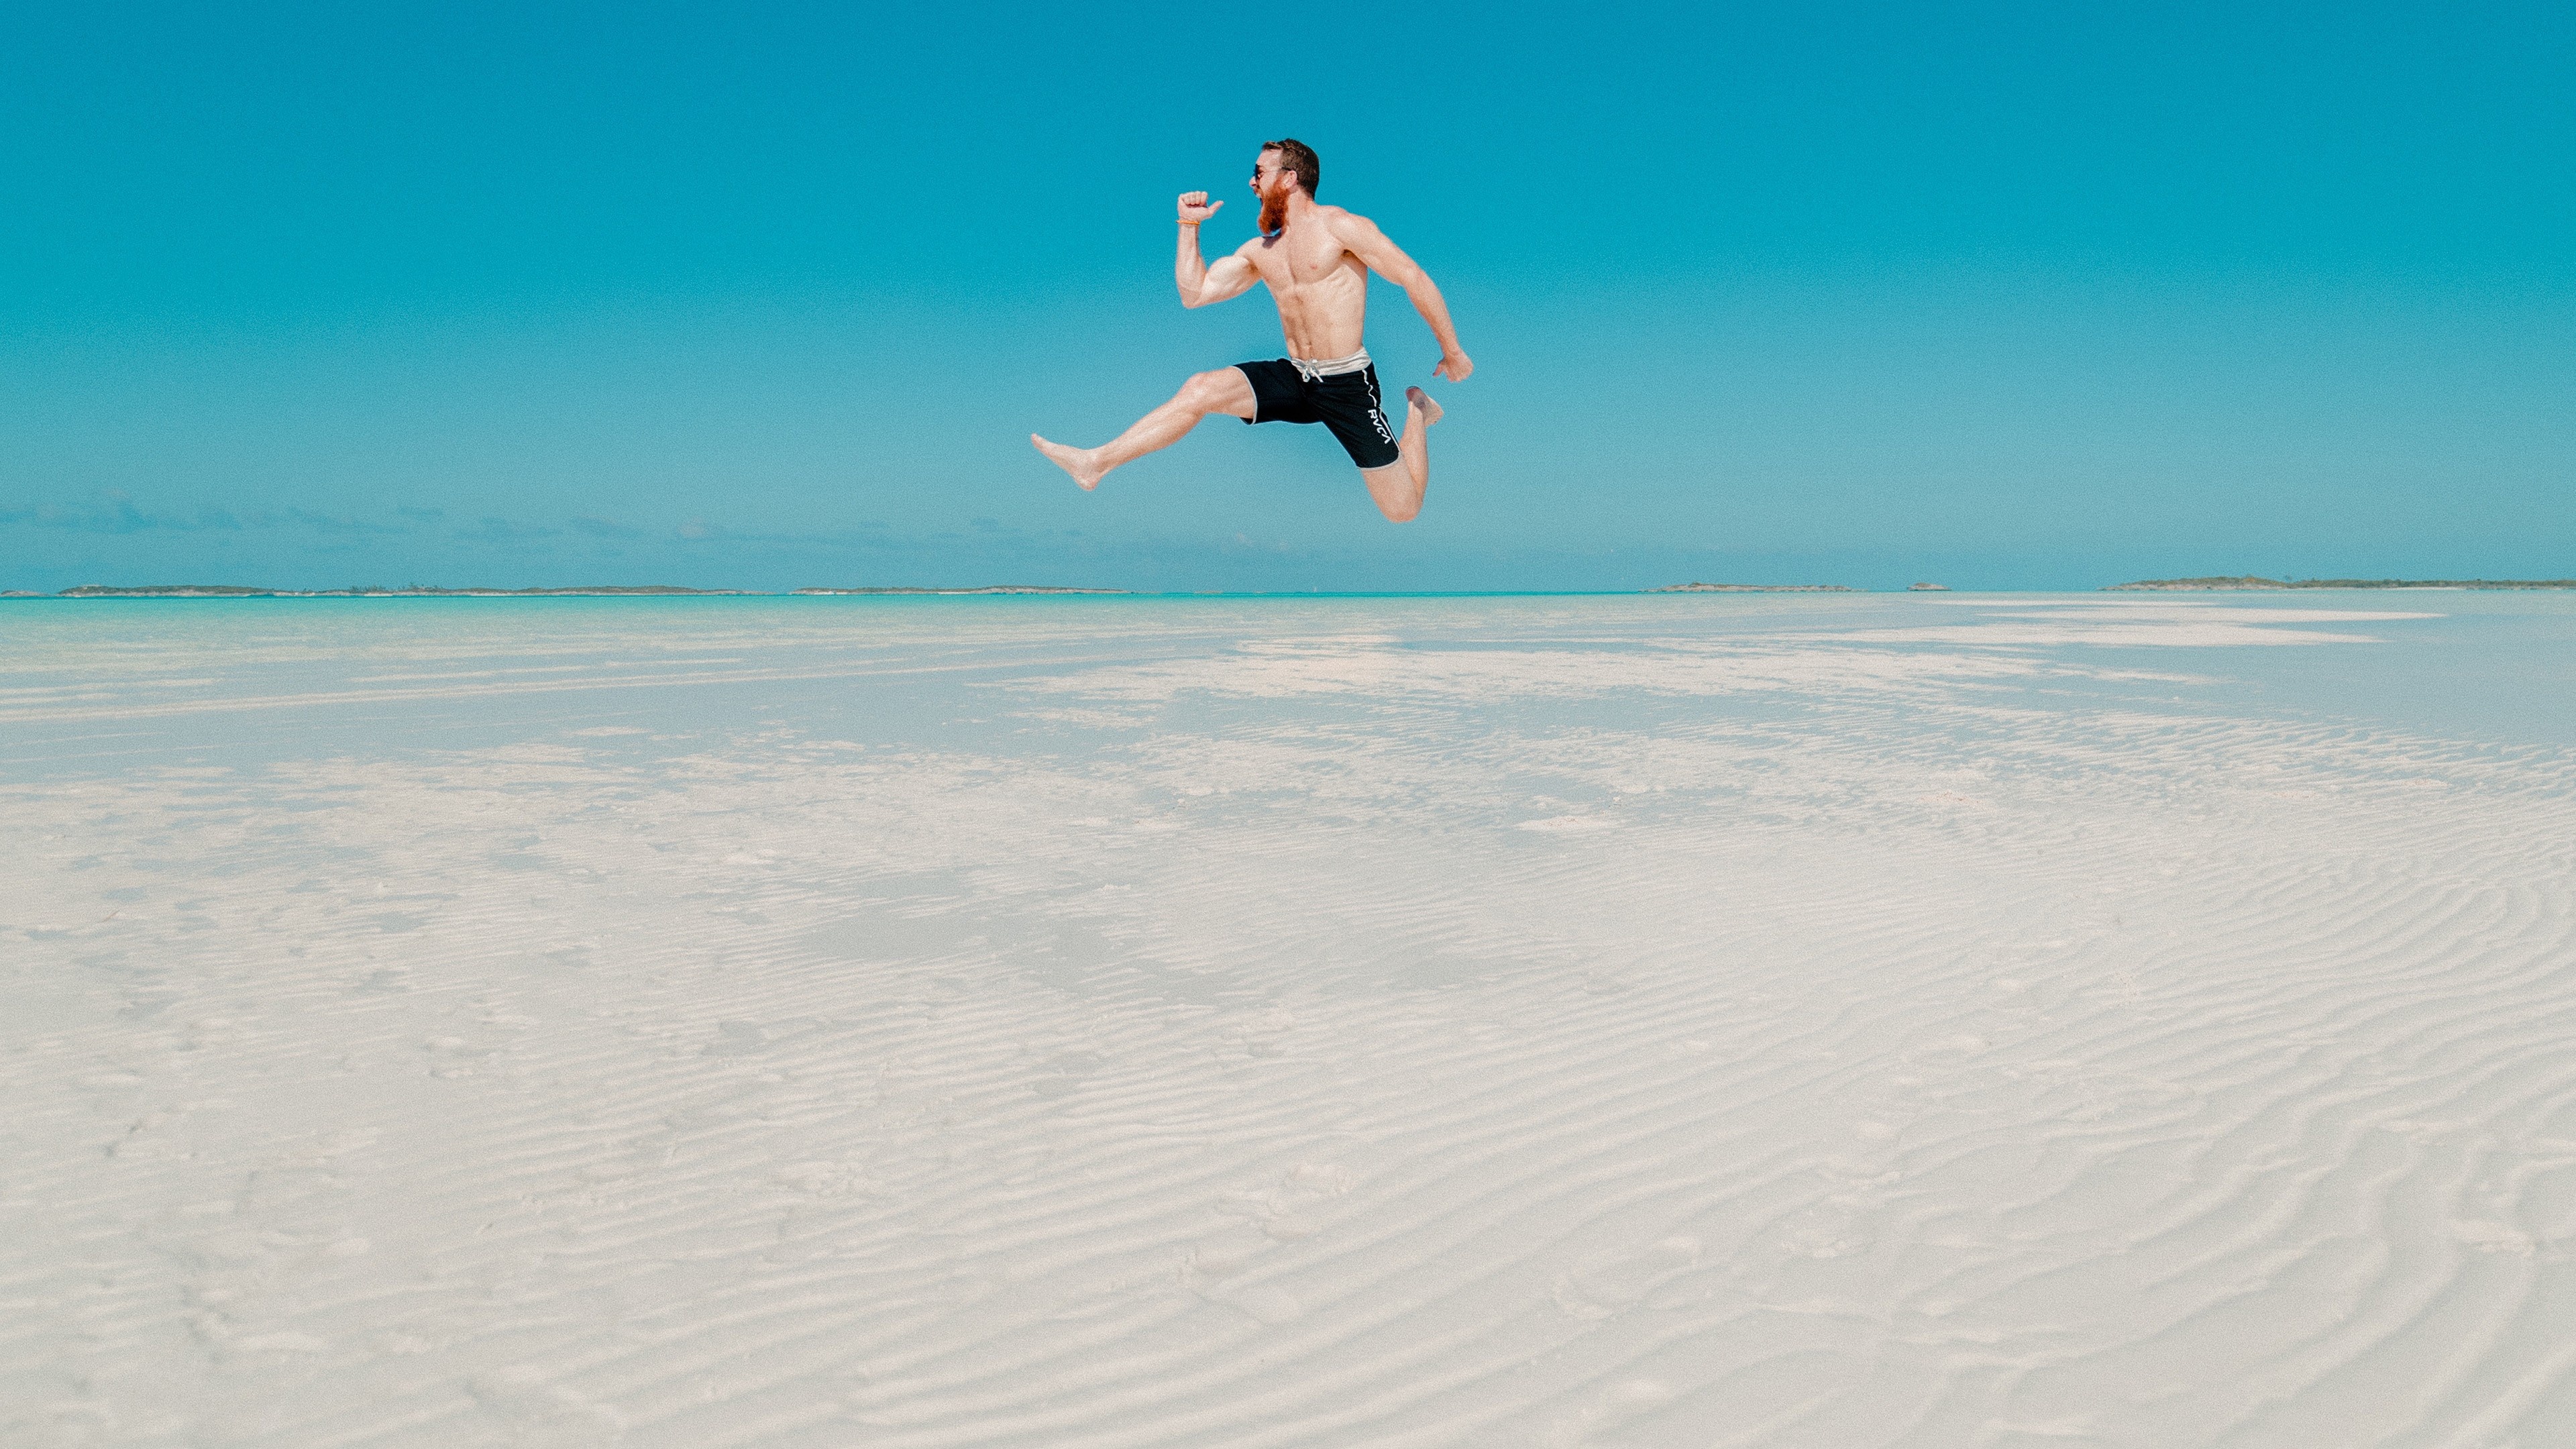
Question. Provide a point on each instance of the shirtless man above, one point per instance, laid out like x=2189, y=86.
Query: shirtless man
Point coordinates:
x=1316, y=260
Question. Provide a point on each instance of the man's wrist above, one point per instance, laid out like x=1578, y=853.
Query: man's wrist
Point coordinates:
x=1193, y=223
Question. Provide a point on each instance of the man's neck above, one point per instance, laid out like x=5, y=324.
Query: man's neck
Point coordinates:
x=1300, y=206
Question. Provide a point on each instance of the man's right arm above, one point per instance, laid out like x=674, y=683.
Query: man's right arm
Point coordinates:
x=1200, y=283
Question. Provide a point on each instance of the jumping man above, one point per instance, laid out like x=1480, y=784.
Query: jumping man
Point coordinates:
x=1316, y=260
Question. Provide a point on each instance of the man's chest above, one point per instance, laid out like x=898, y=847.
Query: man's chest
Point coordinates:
x=1286, y=266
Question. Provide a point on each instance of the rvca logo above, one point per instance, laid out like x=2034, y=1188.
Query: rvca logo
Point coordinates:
x=1379, y=419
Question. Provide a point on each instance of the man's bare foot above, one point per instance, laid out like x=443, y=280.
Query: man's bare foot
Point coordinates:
x=1077, y=461
x=1423, y=404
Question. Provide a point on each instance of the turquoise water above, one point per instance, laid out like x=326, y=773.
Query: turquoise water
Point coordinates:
x=99, y=685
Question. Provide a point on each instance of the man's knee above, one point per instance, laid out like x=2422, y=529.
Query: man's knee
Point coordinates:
x=1394, y=492
x=1212, y=392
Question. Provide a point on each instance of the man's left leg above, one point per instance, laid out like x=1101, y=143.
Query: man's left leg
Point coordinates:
x=1399, y=486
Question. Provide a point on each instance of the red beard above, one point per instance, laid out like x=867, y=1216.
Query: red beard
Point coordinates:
x=1274, y=211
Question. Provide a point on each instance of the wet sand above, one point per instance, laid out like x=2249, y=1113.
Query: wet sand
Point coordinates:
x=1693, y=1020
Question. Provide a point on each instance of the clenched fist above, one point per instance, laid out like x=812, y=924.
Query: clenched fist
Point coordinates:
x=1196, y=208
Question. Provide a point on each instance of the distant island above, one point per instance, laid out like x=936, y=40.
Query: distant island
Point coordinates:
x=1929, y=588
x=2249, y=581
x=407, y=591
x=1750, y=589
x=986, y=589
x=427, y=591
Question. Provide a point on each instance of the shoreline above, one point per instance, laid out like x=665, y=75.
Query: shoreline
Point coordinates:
x=2243, y=584
x=2250, y=583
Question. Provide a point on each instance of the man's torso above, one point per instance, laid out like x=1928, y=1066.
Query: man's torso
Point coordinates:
x=1321, y=289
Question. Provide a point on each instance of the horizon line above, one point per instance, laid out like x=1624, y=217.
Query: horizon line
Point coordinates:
x=2203, y=584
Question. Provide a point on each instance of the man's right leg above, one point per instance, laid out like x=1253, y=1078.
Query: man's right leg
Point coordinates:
x=1398, y=487
x=1225, y=390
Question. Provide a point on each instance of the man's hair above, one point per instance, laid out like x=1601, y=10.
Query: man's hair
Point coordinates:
x=1297, y=156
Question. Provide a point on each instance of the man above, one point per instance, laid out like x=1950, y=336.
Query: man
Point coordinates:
x=1316, y=260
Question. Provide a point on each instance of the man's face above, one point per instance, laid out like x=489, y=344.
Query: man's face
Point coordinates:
x=1272, y=185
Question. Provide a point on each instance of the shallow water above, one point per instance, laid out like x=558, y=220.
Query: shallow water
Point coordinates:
x=1828, y=1020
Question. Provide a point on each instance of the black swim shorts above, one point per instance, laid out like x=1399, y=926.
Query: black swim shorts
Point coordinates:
x=1345, y=402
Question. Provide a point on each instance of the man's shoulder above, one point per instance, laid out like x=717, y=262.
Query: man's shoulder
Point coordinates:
x=1344, y=221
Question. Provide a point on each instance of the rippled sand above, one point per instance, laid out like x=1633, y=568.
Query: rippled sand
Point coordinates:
x=1673, y=1021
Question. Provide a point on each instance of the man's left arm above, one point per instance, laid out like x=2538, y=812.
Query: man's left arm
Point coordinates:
x=1388, y=260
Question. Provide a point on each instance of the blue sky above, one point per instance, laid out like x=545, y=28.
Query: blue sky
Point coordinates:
x=2004, y=296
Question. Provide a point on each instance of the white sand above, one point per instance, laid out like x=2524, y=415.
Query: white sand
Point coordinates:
x=1687, y=1021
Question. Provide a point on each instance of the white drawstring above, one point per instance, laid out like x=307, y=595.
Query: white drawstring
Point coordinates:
x=1317, y=369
